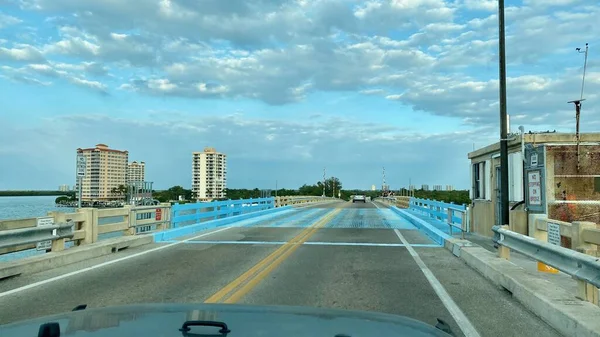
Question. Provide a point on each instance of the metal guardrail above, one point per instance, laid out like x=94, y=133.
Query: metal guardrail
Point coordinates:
x=24, y=236
x=580, y=266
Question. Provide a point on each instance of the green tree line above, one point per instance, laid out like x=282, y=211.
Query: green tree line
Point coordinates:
x=31, y=193
x=457, y=197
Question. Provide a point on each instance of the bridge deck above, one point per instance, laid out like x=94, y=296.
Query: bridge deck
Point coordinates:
x=353, y=256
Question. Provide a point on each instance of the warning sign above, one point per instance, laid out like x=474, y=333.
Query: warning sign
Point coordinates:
x=554, y=239
x=535, y=188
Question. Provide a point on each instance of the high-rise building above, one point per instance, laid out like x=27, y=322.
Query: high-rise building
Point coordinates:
x=209, y=174
x=373, y=188
x=449, y=188
x=105, y=169
x=63, y=188
x=411, y=187
x=136, y=172
x=437, y=187
x=425, y=187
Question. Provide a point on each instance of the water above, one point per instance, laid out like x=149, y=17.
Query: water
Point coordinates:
x=29, y=207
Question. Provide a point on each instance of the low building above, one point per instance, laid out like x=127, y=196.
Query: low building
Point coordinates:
x=550, y=174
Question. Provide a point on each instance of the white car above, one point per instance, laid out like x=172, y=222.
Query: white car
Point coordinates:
x=359, y=198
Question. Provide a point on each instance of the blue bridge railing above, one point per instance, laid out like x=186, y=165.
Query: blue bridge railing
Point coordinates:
x=453, y=215
x=189, y=214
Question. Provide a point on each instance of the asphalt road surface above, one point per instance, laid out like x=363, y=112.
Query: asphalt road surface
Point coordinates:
x=341, y=255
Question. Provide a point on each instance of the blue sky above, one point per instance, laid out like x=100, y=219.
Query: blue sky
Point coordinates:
x=284, y=88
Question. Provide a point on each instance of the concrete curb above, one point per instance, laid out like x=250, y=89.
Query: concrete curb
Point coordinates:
x=561, y=310
x=47, y=261
x=432, y=232
x=191, y=229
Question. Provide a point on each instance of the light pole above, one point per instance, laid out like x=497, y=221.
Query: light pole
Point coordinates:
x=504, y=214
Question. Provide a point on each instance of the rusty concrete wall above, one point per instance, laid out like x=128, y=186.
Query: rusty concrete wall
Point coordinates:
x=571, y=183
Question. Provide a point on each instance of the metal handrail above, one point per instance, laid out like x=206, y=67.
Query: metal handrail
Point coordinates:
x=580, y=266
x=24, y=236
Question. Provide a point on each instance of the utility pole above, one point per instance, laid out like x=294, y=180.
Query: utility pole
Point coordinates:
x=323, y=182
x=578, y=103
x=504, y=212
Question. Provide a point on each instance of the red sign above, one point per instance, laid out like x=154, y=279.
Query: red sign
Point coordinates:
x=158, y=213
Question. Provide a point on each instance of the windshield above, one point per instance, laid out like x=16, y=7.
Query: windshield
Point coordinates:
x=323, y=154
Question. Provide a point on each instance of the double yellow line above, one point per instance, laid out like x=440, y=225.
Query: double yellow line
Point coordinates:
x=239, y=287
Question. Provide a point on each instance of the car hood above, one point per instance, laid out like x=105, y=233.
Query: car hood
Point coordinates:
x=242, y=320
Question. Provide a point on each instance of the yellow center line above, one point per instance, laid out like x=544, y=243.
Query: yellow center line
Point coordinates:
x=267, y=264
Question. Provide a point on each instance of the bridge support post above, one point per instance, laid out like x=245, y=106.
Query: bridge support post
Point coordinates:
x=504, y=252
x=585, y=291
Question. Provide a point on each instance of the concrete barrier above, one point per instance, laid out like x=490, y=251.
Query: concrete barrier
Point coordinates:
x=191, y=229
x=52, y=260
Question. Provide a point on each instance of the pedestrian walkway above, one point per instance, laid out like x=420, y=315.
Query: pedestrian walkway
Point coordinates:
x=560, y=279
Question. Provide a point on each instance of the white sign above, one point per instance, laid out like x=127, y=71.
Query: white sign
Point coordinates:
x=534, y=159
x=554, y=233
x=80, y=166
x=535, y=188
x=45, y=221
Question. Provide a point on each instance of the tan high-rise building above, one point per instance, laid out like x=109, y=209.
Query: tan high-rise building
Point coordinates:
x=209, y=174
x=136, y=171
x=105, y=169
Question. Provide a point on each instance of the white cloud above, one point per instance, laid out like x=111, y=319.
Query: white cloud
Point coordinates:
x=23, y=53
x=7, y=20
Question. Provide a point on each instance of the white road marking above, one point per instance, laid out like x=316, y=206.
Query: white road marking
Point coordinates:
x=374, y=204
x=461, y=319
x=310, y=243
x=104, y=264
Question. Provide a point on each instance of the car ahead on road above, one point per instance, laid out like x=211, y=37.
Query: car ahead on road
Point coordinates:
x=221, y=320
x=359, y=198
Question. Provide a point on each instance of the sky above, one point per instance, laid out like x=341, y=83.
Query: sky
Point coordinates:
x=285, y=88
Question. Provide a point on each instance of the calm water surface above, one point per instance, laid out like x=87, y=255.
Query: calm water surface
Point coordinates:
x=29, y=207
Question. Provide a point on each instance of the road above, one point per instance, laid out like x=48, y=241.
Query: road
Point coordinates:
x=340, y=255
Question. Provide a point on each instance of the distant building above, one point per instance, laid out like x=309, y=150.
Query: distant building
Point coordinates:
x=63, y=188
x=449, y=188
x=136, y=172
x=411, y=187
x=373, y=188
x=437, y=187
x=209, y=174
x=105, y=169
x=425, y=187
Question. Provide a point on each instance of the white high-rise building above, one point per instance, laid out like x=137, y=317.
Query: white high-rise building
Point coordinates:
x=63, y=188
x=136, y=172
x=209, y=174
